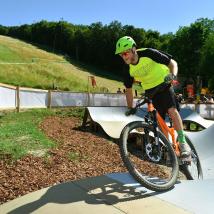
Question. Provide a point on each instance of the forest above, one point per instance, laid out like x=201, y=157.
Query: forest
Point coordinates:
x=191, y=46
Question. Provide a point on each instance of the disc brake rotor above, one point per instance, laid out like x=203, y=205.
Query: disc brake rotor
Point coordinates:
x=152, y=153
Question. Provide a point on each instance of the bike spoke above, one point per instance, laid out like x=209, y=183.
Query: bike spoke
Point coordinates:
x=151, y=162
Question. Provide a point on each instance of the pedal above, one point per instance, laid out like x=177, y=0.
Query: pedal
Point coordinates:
x=186, y=160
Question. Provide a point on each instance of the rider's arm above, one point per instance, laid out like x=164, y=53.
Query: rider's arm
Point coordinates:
x=129, y=97
x=173, y=67
x=128, y=82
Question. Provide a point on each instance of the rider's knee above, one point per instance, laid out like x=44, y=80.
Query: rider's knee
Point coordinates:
x=173, y=112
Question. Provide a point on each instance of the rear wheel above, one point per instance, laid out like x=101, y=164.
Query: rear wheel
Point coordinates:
x=192, y=170
x=158, y=174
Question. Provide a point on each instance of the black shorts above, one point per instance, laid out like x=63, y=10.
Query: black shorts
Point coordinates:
x=163, y=99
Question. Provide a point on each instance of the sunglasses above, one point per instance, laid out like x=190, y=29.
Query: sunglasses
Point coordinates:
x=125, y=53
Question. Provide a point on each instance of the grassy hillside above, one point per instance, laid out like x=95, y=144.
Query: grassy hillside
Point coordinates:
x=26, y=65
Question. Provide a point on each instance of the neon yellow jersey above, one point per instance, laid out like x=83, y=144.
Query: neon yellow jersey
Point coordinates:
x=151, y=68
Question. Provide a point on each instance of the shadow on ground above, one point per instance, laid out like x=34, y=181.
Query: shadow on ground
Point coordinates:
x=97, y=190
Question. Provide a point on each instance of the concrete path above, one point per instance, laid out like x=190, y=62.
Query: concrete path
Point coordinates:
x=113, y=119
x=195, y=117
x=203, y=142
x=104, y=194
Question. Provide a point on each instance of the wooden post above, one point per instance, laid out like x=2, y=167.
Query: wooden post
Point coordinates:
x=49, y=98
x=88, y=90
x=92, y=124
x=17, y=99
x=85, y=118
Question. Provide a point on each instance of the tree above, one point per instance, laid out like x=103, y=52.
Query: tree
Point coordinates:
x=187, y=43
x=207, y=62
x=3, y=30
x=95, y=44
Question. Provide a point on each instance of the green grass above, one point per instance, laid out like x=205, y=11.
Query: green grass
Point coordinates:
x=43, y=69
x=76, y=157
x=19, y=132
x=8, y=55
x=41, y=75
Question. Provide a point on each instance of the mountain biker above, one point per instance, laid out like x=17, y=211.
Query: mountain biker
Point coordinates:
x=155, y=70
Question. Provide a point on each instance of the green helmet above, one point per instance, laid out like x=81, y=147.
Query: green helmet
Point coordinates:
x=124, y=44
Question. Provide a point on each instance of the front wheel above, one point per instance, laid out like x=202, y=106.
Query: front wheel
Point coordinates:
x=157, y=176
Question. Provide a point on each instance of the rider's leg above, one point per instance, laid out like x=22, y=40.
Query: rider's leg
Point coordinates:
x=165, y=102
x=178, y=125
x=176, y=119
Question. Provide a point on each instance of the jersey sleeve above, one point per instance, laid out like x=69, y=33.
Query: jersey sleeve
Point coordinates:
x=157, y=56
x=127, y=79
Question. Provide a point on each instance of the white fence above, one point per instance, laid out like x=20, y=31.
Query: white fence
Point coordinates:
x=205, y=110
x=15, y=97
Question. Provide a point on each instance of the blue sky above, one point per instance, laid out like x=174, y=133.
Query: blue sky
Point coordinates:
x=161, y=15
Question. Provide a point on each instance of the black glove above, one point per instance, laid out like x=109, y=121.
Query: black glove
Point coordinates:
x=169, y=77
x=130, y=111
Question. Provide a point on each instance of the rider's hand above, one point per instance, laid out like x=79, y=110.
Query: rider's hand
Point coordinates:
x=169, y=78
x=130, y=111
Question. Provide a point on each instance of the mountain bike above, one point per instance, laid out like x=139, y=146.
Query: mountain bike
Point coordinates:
x=151, y=153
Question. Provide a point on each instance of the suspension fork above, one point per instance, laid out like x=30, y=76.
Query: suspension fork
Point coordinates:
x=155, y=126
x=153, y=113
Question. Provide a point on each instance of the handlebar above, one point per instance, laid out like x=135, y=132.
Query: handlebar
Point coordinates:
x=142, y=101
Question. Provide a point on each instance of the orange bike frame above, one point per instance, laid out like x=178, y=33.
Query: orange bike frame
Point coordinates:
x=166, y=129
